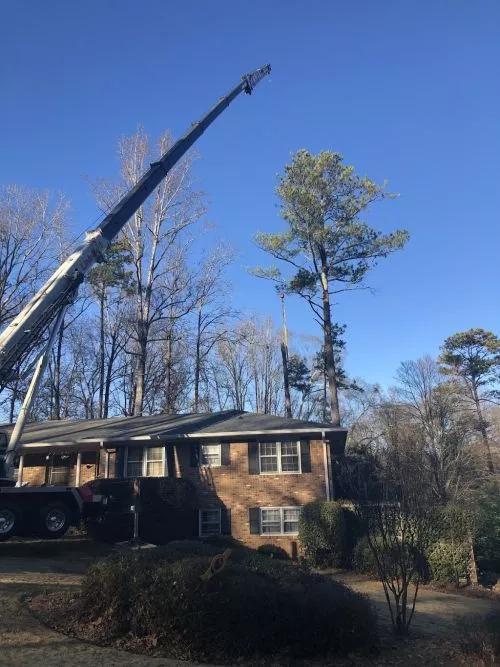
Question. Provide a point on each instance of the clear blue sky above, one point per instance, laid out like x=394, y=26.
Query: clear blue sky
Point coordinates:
x=408, y=91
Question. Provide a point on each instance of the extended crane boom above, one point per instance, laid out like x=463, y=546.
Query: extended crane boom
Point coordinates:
x=26, y=330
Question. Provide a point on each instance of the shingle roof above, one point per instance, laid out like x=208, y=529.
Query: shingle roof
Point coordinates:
x=230, y=423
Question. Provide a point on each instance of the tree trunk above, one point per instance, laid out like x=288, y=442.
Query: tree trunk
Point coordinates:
x=472, y=565
x=57, y=372
x=13, y=399
x=197, y=365
x=100, y=407
x=169, y=364
x=482, y=429
x=109, y=375
x=139, y=379
x=286, y=384
x=329, y=355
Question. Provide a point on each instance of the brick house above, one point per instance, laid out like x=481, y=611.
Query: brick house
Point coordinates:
x=252, y=472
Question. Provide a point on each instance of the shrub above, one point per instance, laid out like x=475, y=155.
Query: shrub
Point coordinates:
x=258, y=606
x=487, y=543
x=480, y=637
x=363, y=558
x=273, y=551
x=448, y=562
x=327, y=533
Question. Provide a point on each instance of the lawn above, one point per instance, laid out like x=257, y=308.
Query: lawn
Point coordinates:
x=27, y=568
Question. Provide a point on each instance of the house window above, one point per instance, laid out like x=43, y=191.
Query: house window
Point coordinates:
x=145, y=462
x=134, y=462
x=279, y=457
x=60, y=469
x=279, y=520
x=210, y=455
x=154, y=461
x=210, y=523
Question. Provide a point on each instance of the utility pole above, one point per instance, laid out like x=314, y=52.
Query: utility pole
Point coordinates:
x=284, y=357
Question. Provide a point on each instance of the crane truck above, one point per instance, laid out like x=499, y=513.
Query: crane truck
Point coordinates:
x=50, y=510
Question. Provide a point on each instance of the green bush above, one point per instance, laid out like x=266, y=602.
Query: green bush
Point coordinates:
x=273, y=551
x=327, y=532
x=448, y=562
x=363, y=558
x=480, y=637
x=487, y=543
x=252, y=608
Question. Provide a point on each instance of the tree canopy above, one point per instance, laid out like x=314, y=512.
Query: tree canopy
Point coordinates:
x=328, y=247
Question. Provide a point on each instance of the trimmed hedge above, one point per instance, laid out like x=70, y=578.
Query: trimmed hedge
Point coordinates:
x=448, y=562
x=365, y=562
x=328, y=532
x=363, y=558
x=255, y=607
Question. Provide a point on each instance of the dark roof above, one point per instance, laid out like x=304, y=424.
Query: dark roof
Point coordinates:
x=230, y=423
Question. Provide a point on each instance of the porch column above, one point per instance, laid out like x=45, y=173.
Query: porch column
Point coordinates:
x=20, y=471
x=78, y=468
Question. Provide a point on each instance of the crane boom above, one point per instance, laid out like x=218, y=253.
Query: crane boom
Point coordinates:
x=25, y=331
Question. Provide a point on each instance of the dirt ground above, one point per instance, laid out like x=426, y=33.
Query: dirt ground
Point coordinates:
x=28, y=569
x=435, y=612
x=24, y=641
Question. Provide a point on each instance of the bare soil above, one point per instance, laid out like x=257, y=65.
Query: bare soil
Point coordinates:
x=29, y=569
x=56, y=566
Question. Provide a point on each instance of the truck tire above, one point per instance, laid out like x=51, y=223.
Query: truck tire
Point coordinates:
x=10, y=520
x=53, y=520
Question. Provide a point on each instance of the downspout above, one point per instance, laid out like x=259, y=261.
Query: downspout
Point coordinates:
x=325, y=460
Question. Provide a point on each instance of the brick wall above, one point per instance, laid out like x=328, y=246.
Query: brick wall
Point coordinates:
x=229, y=485
x=234, y=487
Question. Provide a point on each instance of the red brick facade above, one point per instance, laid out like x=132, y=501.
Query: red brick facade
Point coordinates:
x=230, y=485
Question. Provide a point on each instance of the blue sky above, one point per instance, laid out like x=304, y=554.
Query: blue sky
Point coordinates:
x=406, y=90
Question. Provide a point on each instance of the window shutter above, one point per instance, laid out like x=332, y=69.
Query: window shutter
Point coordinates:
x=195, y=454
x=225, y=454
x=225, y=521
x=253, y=458
x=169, y=453
x=305, y=455
x=254, y=517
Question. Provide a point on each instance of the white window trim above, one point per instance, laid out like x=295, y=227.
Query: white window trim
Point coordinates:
x=210, y=465
x=144, y=462
x=209, y=509
x=282, y=517
x=278, y=453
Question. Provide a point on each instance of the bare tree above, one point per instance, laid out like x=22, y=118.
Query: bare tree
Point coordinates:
x=429, y=405
x=30, y=222
x=399, y=519
x=155, y=238
x=212, y=312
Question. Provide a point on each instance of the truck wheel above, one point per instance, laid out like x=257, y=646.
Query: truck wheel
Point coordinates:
x=53, y=520
x=10, y=520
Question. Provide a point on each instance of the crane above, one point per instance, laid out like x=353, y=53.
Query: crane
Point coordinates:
x=45, y=310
